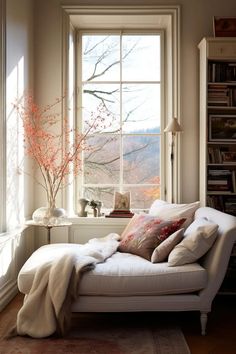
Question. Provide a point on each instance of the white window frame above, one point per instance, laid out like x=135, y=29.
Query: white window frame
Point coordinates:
x=166, y=18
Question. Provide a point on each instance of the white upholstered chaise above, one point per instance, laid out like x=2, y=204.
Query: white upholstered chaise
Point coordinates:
x=125, y=282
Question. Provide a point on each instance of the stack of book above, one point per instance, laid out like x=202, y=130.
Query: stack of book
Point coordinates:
x=221, y=181
x=218, y=95
x=120, y=214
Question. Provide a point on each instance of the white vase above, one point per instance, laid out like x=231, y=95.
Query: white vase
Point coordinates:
x=49, y=216
x=82, y=206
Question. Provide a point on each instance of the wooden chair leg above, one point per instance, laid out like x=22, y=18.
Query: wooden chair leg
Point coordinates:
x=203, y=319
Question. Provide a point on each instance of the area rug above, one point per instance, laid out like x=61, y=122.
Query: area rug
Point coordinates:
x=101, y=334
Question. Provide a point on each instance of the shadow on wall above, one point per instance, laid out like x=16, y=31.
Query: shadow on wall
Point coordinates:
x=14, y=251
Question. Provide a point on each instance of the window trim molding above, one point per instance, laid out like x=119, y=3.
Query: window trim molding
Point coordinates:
x=173, y=70
x=3, y=115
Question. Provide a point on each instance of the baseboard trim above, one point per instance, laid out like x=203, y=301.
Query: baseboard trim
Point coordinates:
x=7, y=293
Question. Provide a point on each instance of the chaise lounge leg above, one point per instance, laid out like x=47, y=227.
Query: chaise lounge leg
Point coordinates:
x=203, y=319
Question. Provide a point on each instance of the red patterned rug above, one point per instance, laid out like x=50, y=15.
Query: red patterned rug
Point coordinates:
x=117, y=333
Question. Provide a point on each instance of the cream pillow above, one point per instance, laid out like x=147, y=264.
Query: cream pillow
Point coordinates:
x=167, y=211
x=200, y=224
x=162, y=251
x=198, y=239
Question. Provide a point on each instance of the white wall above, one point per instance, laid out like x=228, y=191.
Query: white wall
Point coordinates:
x=196, y=22
x=17, y=244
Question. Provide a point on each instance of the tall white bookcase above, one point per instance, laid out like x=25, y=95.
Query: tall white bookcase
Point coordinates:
x=217, y=133
x=218, y=123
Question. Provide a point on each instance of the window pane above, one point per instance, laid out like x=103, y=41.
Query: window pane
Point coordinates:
x=141, y=58
x=101, y=100
x=141, y=159
x=104, y=194
x=142, y=197
x=102, y=162
x=100, y=57
x=141, y=108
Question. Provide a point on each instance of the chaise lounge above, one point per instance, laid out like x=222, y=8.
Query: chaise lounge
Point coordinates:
x=128, y=282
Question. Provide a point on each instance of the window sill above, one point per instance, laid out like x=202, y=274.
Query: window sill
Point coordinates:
x=98, y=221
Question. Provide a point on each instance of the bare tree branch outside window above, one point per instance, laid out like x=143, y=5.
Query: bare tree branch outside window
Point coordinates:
x=122, y=72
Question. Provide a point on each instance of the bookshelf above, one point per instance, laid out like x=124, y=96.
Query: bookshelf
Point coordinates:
x=218, y=123
x=217, y=133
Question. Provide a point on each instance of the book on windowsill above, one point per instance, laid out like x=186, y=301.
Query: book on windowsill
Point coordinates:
x=120, y=214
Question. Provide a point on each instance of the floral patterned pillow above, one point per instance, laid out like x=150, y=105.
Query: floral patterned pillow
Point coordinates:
x=146, y=233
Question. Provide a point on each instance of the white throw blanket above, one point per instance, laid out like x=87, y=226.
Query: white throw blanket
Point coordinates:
x=55, y=285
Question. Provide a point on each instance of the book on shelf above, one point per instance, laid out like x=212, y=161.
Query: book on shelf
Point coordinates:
x=230, y=210
x=219, y=188
x=214, y=155
x=215, y=201
x=234, y=180
x=219, y=172
x=218, y=192
x=221, y=181
x=221, y=95
x=230, y=205
x=224, y=203
x=228, y=157
x=221, y=103
x=221, y=72
x=217, y=86
x=221, y=155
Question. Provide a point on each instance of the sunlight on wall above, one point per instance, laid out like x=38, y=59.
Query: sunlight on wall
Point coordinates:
x=71, y=104
x=15, y=148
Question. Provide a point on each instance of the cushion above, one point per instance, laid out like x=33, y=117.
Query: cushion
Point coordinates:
x=198, y=239
x=146, y=233
x=123, y=274
x=161, y=252
x=129, y=226
x=167, y=211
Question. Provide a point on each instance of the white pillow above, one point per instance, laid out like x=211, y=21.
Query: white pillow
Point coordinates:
x=161, y=252
x=198, y=239
x=166, y=211
x=202, y=224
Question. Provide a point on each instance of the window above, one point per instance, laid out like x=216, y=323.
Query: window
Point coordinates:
x=131, y=93
x=15, y=78
x=120, y=78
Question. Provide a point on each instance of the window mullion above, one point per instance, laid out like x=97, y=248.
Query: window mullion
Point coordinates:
x=80, y=111
x=121, y=119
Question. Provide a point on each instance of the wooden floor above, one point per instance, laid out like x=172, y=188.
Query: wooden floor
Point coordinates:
x=221, y=326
